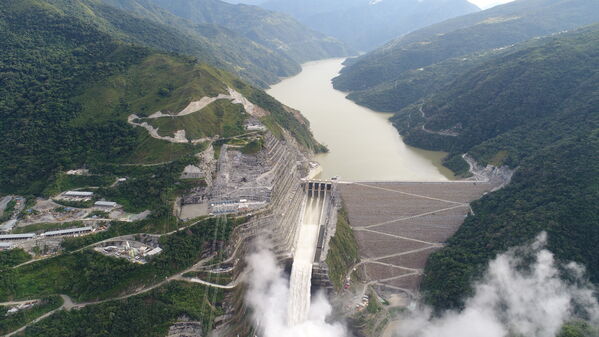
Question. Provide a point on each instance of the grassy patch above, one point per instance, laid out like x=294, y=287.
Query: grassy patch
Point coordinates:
x=343, y=252
x=64, y=182
x=499, y=158
x=221, y=118
x=150, y=150
x=253, y=147
x=44, y=227
x=159, y=83
x=74, y=204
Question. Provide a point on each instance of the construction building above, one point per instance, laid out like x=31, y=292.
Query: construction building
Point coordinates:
x=72, y=231
x=106, y=204
x=15, y=237
x=79, y=194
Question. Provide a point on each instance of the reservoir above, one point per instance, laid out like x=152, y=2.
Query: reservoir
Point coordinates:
x=363, y=144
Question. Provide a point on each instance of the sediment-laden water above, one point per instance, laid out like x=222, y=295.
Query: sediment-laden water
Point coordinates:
x=363, y=144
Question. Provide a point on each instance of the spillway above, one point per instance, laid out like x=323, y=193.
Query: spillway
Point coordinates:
x=301, y=270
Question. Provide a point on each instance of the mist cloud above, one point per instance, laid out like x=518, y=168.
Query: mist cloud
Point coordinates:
x=513, y=299
x=268, y=295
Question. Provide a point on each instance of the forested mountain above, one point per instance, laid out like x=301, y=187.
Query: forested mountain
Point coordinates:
x=144, y=22
x=67, y=89
x=276, y=31
x=366, y=24
x=405, y=70
x=535, y=109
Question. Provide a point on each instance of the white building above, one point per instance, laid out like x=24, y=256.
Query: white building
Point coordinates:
x=71, y=231
x=154, y=251
x=79, y=194
x=106, y=204
x=14, y=237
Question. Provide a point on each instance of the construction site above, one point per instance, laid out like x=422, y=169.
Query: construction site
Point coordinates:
x=41, y=227
x=241, y=183
x=134, y=248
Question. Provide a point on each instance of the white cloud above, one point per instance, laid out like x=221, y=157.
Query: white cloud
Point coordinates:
x=513, y=300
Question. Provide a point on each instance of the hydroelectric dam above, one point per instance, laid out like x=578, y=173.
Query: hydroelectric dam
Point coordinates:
x=397, y=221
x=397, y=225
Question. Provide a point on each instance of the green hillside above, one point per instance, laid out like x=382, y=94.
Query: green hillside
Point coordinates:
x=67, y=88
x=163, y=31
x=508, y=94
x=535, y=110
x=276, y=31
x=383, y=78
x=255, y=44
x=145, y=23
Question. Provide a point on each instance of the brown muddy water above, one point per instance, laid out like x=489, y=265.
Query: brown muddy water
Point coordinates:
x=363, y=144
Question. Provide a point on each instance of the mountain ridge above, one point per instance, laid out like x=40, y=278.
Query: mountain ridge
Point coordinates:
x=498, y=27
x=364, y=24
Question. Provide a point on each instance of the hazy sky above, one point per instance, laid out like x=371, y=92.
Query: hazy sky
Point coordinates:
x=484, y=4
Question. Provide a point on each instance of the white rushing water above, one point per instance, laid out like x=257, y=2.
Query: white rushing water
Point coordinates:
x=301, y=271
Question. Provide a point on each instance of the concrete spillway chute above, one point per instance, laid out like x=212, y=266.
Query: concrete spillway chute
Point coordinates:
x=309, y=246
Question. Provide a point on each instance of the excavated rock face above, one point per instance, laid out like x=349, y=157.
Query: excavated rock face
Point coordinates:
x=186, y=329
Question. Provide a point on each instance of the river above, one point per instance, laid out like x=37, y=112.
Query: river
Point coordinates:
x=363, y=144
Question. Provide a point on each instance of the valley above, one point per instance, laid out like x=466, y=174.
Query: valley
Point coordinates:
x=208, y=169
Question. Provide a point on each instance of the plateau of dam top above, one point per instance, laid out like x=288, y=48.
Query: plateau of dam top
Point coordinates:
x=363, y=144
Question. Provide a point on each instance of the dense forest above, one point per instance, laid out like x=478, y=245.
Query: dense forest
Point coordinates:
x=556, y=190
x=534, y=110
x=379, y=78
x=46, y=57
x=279, y=34
x=494, y=110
